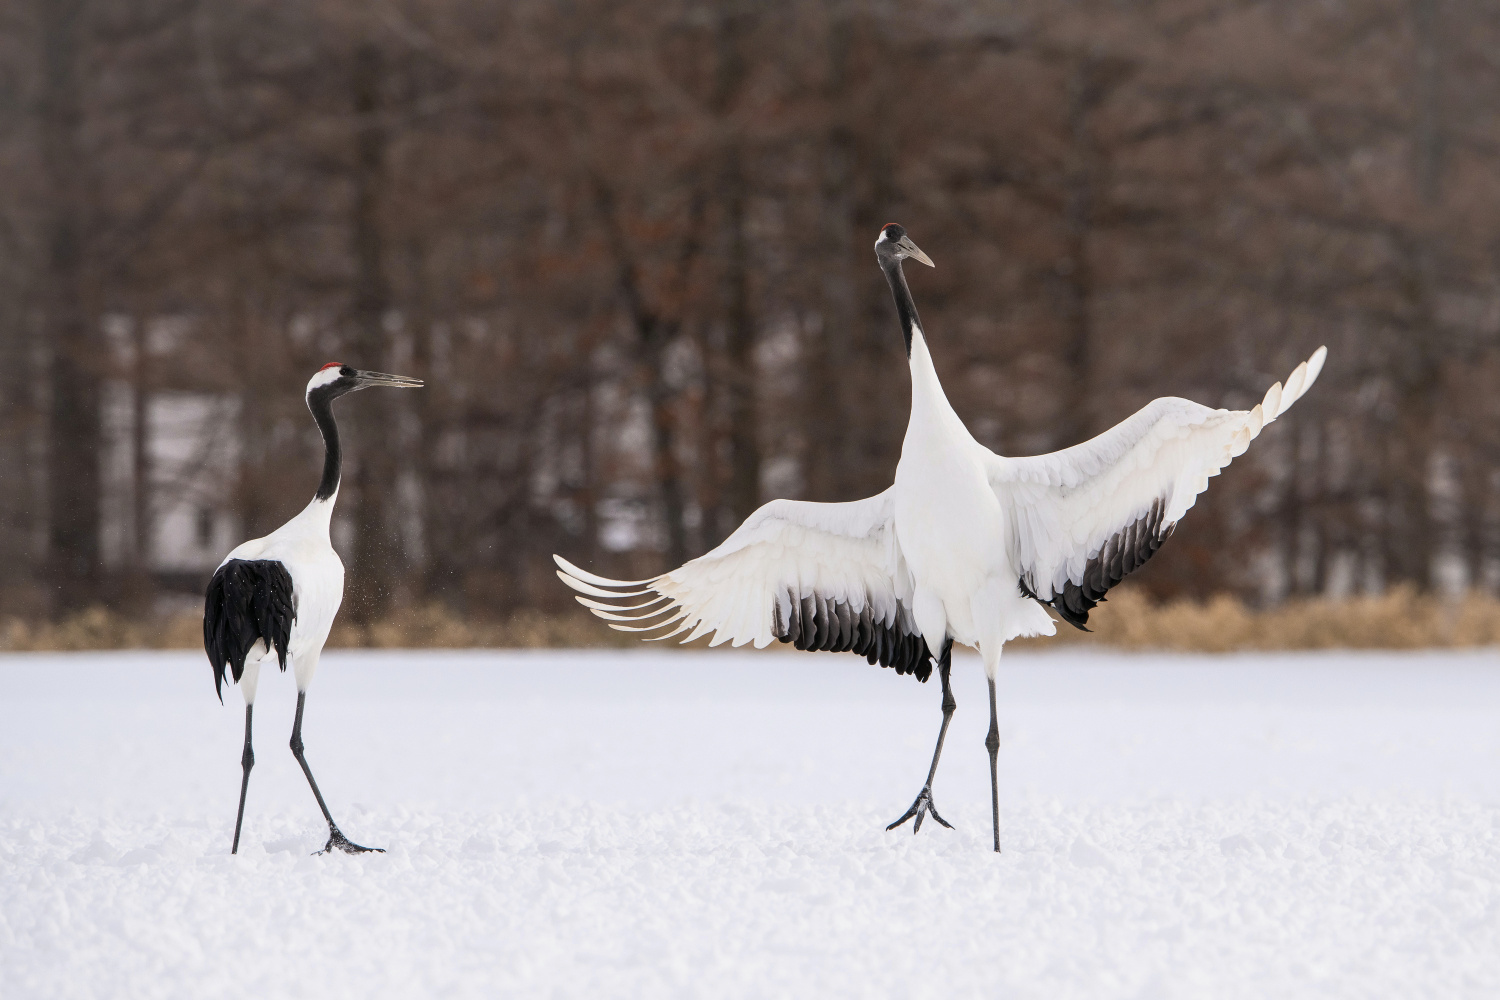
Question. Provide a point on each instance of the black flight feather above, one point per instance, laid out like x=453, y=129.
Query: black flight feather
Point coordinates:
x=1125, y=551
x=816, y=624
x=247, y=600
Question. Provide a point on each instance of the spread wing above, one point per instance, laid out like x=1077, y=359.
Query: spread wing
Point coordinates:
x=1083, y=518
x=823, y=576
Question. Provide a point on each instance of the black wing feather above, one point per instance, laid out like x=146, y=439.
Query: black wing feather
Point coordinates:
x=1125, y=551
x=818, y=624
x=247, y=600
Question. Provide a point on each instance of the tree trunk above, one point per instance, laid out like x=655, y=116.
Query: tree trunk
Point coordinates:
x=824, y=346
x=1428, y=137
x=1077, y=276
x=140, y=449
x=75, y=434
x=742, y=491
x=656, y=337
x=376, y=561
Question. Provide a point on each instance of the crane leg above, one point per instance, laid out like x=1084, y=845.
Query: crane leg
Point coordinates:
x=336, y=838
x=923, y=804
x=247, y=761
x=992, y=744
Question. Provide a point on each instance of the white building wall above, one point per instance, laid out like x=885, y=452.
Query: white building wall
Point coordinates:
x=192, y=452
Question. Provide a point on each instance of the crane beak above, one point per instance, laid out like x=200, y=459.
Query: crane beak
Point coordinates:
x=363, y=380
x=910, y=249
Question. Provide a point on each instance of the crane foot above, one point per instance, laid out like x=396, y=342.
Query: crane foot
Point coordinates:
x=920, y=809
x=337, y=840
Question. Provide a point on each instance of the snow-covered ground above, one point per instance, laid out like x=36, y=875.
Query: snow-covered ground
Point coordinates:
x=711, y=825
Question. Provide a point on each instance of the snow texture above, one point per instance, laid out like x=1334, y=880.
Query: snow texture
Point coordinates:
x=711, y=825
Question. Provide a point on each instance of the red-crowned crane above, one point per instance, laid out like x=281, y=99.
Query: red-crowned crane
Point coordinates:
x=278, y=595
x=966, y=546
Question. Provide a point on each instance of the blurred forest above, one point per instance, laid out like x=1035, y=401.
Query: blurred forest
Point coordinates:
x=628, y=245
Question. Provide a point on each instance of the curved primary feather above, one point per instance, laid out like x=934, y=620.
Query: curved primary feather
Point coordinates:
x=822, y=576
x=1083, y=518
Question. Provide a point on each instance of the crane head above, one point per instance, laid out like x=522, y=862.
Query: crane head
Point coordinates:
x=336, y=378
x=894, y=244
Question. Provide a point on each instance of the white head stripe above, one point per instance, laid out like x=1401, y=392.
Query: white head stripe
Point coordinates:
x=323, y=378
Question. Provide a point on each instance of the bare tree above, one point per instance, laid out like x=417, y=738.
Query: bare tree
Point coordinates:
x=629, y=245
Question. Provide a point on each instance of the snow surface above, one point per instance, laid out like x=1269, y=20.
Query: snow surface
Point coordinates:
x=711, y=825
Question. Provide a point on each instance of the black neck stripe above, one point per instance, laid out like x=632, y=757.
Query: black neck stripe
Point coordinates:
x=320, y=402
x=905, y=307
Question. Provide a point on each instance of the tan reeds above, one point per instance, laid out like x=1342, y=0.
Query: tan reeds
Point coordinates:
x=1399, y=619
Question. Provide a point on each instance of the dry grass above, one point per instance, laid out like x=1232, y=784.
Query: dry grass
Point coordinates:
x=433, y=626
x=99, y=628
x=1399, y=619
x=429, y=626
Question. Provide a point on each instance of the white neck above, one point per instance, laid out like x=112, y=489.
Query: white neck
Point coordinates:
x=317, y=517
x=929, y=404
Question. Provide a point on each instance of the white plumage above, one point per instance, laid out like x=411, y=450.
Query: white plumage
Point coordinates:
x=965, y=546
x=1064, y=507
x=844, y=551
x=303, y=546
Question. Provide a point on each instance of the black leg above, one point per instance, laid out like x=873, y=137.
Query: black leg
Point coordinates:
x=247, y=761
x=923, y=804
x=992, y=743
x=336, y=837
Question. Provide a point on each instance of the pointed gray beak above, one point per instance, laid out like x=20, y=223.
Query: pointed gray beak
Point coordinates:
x=913, y=251
x=363, y=380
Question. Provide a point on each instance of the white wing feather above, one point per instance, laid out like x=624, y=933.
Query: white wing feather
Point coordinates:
x=788, y=549
x=1064, y=508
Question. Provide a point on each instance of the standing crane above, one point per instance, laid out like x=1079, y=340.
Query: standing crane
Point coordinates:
x=966, y=546
x=278, y=595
